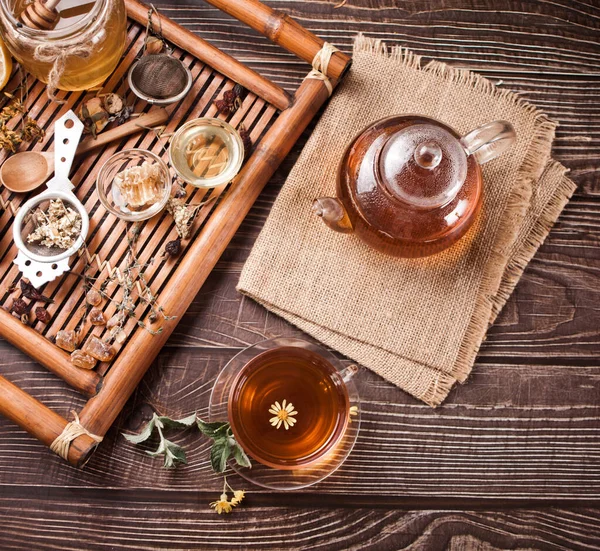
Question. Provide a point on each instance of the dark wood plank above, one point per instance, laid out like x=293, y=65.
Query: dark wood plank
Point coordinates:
x=526, y=426
x=127, y=520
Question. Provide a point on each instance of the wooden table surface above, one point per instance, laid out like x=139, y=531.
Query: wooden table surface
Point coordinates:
x=511, y=460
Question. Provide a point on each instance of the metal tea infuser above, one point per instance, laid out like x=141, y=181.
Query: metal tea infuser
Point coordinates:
x=38, y=263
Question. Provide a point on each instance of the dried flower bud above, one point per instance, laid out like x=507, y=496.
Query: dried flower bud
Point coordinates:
x=20, y=307
x=173, y=248
x=229, y=96
x=154, y=45
x=94, y=116
x=246, y=140
x=42, y=314
x=223, y=107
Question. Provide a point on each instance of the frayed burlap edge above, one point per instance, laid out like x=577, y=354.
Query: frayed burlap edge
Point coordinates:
x=519, y=261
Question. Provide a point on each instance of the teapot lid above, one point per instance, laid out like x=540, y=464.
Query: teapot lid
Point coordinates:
x=423, y=165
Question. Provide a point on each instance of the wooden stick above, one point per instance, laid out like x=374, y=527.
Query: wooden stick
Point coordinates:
x=51, y=357
x=283, y=30
x=127, y=371
x=138, y=124
x=212, y=56
x=40, y=421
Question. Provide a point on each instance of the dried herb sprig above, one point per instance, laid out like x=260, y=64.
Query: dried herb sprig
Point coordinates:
x=29, y=130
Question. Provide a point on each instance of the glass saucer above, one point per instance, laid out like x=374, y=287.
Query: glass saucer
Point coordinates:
x=278, y=479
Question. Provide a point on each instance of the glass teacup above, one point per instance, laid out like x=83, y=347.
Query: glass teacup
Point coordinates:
x=292, y=407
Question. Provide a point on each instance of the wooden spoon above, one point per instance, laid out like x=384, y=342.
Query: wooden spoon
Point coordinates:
x=28, y=170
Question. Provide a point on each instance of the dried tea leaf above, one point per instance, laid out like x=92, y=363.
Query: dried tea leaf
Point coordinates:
x=20, y=307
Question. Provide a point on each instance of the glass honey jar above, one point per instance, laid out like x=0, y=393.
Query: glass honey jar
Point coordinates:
x=83, y=49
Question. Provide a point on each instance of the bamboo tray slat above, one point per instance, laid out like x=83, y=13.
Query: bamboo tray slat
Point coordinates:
x=275, y=121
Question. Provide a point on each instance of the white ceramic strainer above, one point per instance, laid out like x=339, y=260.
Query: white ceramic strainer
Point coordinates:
x=41, y=264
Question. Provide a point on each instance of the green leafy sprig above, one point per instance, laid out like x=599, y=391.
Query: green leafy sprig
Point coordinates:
x=224, y=444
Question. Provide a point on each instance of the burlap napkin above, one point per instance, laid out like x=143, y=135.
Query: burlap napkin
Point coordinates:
x=418, y=323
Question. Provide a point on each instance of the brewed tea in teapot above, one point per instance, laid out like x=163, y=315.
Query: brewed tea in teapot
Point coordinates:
x=410, y=185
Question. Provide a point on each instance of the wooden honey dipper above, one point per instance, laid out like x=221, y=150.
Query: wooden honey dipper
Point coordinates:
x=41, y=15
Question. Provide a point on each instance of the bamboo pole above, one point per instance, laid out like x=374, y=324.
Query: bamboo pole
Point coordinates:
x=281, y=29
x=51, y=357
x=127, y=371
x=40, y=421
x=209, y=54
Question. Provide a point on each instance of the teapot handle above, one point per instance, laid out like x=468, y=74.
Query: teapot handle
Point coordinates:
x=489, y=141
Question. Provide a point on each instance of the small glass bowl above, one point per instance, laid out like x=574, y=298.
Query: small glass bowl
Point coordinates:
x=219, y=139
x=119, y=162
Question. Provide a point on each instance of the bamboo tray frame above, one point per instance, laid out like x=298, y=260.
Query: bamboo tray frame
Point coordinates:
x=275, y=121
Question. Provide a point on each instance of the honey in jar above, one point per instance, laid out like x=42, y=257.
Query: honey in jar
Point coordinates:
x=89, y=37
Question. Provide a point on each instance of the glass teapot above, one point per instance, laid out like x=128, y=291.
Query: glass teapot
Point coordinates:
x=411, y=186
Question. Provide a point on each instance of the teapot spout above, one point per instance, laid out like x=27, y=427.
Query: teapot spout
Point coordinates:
x=333, y=214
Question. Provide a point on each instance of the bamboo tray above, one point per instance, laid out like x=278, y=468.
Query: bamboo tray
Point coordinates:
x=275, y=121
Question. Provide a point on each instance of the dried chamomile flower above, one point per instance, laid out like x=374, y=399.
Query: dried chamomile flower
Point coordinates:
x=58, y=226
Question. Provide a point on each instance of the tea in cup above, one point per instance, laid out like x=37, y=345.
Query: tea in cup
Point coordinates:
x=288, y=407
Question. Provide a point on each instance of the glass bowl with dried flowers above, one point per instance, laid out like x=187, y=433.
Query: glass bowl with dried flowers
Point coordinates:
x=134, y=185
x=292, y=407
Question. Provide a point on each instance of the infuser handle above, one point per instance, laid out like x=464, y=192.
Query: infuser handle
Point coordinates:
x=67, y=133
x=489, y=141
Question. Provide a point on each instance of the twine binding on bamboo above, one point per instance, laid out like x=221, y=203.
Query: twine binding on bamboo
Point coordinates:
x=72, y=430
x=48, y=53
x=320, y=65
